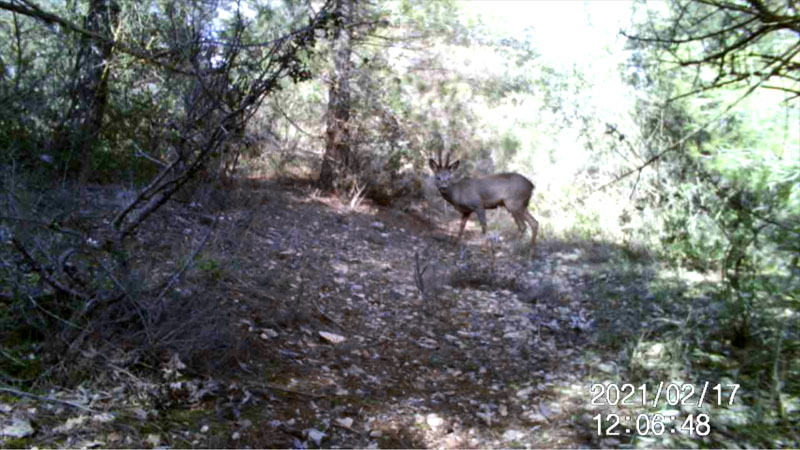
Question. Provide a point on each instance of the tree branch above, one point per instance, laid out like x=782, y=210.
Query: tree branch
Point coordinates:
x=55, y=284
x=791, y=53
x=36, y=12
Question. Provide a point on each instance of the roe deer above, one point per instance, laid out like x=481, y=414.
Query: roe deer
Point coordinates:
x=469, y=195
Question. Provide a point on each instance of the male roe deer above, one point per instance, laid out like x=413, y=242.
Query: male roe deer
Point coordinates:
x=469, y=195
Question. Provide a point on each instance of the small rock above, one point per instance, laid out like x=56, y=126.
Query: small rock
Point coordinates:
x=606, y=367
x=524, y=393
x=18, y=428
x=346, y=422
x=453, y=340
x=377, y=225
x=434, y=421
x=139, y=413
x=486, y=417
x=533, y=417
x=270, y=333
x=103, y=418
x=428, y=343
x=204, y=429
x=70, y=424
x=316, y=436
x=513, y=435
x=375, y=433
x=354, y=371
x=153, y=439
x=289, y=354
x=236, y=435
x=610, y=443
x=545, y=410
x=339, y=267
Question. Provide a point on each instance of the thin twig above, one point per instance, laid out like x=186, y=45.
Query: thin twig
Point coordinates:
x=274, y=387
x=13, y=391
x=189, y=262
x=65, y=321
x=794, y=50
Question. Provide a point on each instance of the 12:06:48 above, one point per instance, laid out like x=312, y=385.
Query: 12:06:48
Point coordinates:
x=652, y=425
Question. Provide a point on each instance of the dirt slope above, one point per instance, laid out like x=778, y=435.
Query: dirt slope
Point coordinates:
x=331, y=343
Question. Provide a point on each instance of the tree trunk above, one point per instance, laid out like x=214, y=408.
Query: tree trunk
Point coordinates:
x=90, y=94
x=337, y=136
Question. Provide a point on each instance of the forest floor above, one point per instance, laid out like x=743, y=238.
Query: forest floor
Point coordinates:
x=330, y=342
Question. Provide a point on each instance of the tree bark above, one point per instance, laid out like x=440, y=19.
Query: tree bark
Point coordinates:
x=90, y=94
x=338, y=155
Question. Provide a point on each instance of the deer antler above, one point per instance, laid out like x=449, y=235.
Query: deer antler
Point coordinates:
x=443, y=161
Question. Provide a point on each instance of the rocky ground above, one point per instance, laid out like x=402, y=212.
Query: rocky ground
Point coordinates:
x=360, y=326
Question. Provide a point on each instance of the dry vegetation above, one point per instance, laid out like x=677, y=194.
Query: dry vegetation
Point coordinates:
x=219, y=226
x=300, y=322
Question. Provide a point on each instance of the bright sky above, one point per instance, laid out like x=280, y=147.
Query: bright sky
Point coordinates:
x=563, y=31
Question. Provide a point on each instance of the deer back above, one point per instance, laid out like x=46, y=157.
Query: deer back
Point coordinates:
x=509, y=189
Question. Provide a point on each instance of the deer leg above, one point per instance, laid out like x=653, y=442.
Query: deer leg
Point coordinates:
x=534, y=228
x=482, y=218
x=518, y=219
x=464, y=218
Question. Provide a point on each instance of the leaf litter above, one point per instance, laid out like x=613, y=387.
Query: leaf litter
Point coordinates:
x=348, y=351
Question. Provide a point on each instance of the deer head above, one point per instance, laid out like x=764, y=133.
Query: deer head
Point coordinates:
x=443, y=172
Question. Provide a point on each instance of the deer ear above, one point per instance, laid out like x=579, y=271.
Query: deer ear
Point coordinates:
x=433, y=164
x=454, y=166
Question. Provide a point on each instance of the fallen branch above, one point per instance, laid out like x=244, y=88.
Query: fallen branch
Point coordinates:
x=13, y=391
x=55, y=284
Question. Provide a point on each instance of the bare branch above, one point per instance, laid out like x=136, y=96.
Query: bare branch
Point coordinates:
x=18, y=393
x=36, y=12
x=55, y=284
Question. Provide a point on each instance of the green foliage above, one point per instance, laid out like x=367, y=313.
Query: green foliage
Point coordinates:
x=721, y=194
x=210, y=269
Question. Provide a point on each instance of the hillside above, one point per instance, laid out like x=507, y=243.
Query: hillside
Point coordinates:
x=301, y=324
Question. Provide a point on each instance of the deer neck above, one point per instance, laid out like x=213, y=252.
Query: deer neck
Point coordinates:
x=447, y=194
